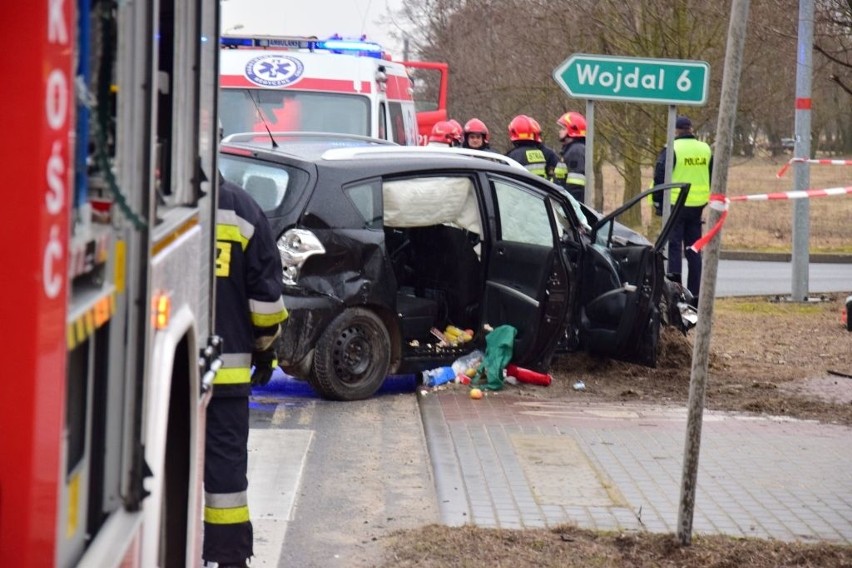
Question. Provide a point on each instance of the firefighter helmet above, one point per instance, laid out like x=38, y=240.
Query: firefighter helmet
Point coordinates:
x=573, y=123
x=536, y=129
x=442, y=132
x=476, y=126
x=522, y=127
x=458, y=132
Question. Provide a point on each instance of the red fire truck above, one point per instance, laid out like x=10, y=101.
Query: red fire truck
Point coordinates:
x=349, y=86
x=108, y=229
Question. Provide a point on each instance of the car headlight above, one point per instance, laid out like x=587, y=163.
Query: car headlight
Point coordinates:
x=295, y=247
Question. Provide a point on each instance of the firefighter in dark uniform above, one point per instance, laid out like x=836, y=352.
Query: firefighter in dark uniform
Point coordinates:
x=693, y=163
x=249, y=313
x=528, y=149
x=572, y=134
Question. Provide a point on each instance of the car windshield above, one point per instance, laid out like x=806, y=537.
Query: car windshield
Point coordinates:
x=297, y=111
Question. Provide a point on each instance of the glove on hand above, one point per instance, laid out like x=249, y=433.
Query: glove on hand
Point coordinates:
x=264, y=363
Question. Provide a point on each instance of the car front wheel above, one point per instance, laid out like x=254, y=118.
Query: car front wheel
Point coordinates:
x=352, y=356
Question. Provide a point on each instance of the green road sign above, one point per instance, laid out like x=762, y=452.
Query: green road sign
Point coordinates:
x=662, y=81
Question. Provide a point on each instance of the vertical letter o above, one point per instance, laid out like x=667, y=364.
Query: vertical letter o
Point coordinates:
x=56, y=99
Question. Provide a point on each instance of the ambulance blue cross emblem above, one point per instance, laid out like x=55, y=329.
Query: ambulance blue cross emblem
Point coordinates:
x=274, y=70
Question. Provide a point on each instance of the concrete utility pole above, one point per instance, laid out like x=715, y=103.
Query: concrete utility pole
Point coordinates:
x=588, y=192
x=718, y=184
x=801, y=180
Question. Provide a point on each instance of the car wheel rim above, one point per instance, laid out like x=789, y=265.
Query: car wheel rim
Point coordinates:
x=352, y=353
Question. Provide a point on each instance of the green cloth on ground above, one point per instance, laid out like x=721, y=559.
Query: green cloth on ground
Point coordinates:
x=498, y=353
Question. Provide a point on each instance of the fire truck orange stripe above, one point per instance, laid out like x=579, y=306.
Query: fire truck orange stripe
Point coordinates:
x=81, y=328
x=173, y=236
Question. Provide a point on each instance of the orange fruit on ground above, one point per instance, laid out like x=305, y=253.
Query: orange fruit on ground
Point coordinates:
x=475, y=393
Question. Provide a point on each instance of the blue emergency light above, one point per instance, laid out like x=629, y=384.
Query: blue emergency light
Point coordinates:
x=334, y=44
x=340, y=45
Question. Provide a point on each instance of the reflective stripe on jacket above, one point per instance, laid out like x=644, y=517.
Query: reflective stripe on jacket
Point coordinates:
x=560, y=173
x=249, y=305
x=574, y=154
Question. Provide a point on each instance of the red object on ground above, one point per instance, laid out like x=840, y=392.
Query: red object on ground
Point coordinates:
x=528, y=376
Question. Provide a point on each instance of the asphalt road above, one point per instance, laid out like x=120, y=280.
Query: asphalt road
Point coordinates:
x=329, y=480
x=760, y=278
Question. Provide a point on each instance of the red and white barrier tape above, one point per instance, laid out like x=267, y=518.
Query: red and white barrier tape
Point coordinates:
x=786, y=166
x=721, y=202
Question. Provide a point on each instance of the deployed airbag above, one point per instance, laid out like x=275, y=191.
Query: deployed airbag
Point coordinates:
x=423, y=202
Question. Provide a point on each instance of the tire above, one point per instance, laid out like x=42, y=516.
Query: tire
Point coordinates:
x=352, y=357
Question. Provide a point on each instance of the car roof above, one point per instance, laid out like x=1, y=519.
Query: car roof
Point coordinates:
x=305, y=145
x=335, y=151
x=353, y=152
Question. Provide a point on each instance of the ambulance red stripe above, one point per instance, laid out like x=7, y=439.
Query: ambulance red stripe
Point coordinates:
x=305, y=84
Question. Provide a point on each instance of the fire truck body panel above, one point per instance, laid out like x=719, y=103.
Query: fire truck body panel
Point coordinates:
x=34, y=339
x=113, y=285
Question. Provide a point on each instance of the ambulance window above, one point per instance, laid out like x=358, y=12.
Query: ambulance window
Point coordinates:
x=252, y=110
x=398, y=123
x=383, y=122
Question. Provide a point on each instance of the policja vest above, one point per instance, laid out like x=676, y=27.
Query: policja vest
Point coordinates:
x=692, y=165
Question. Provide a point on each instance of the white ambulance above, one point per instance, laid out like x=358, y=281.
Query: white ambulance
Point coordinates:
x=302, y=84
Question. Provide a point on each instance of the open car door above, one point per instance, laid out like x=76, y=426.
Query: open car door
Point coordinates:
x=528, y=283
x=622, y=283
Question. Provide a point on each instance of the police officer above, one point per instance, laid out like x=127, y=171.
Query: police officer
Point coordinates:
x=572, y=134
x=693, y=164
x=528, y=148
x=249, y=313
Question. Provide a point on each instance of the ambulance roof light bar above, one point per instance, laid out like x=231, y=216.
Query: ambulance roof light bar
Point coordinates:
x=334, y=44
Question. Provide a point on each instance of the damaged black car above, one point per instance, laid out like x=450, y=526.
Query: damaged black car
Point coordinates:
x=384, y=247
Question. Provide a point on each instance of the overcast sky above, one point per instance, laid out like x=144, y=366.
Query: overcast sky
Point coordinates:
x=349, y=18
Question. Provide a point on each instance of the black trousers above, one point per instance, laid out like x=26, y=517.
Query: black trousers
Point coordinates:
x=228, y=534
x=686, y=230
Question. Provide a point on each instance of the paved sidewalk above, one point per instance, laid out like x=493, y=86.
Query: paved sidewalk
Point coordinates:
x=511, y=462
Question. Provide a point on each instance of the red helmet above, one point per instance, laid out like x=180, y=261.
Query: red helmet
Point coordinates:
x=476, y=126
x=458, y=133
x=574, y=123
x=522, y=127
x=442, y=132
x=536, y=129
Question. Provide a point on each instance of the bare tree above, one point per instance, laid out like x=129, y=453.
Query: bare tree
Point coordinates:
x=502, y=54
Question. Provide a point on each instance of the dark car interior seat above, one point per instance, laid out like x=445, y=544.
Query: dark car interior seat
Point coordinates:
x=446, y=266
